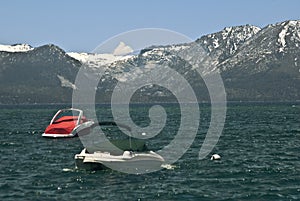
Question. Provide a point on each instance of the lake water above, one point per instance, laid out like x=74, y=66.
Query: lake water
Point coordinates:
x=259, y=147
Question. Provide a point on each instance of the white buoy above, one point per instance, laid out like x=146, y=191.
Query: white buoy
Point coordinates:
x=215, y=157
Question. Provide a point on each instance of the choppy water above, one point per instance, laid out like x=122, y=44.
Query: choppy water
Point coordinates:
x=259, y=146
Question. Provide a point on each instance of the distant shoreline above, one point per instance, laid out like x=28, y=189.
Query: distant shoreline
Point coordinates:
x=148, y=103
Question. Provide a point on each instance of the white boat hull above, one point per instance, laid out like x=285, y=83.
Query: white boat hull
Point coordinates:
x=58, y=135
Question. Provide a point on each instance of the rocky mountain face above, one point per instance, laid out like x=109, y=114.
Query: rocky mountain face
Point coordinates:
x=266, y=66
x=255, y=64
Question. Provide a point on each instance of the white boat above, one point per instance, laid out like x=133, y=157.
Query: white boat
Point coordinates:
x=65, y=123
x=129, y=161
x=129, y=155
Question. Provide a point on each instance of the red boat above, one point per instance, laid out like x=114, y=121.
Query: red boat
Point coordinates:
x=64, y=123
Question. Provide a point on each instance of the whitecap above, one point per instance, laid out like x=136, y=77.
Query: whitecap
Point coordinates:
x=68, y=170
x=168, y=166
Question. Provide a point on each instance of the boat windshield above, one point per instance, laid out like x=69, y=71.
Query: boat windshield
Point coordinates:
x=63, y=113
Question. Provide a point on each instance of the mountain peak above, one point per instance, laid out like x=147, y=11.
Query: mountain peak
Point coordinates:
x=51, y=49
x=229, y=39
x=51, y=46
x=287, y=34
x=247, y=27
x=287, y=23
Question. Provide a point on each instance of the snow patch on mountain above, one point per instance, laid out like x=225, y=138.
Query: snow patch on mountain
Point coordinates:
x=281, y=37
x=100, y=60
x=289, y=34
x=16, y=48
x=97, y=60
x=82, y=57
x=66, y=83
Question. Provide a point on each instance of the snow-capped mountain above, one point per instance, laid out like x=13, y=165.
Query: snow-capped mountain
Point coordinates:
x=270, y=44
x=257, y=64
x=225, y=43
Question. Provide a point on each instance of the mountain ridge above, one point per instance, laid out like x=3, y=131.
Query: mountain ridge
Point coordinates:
x=256, y=64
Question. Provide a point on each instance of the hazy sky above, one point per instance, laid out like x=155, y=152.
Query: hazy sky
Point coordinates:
x=81, y=25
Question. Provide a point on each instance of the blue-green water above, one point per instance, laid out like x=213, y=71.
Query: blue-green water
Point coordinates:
x=259, y=146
